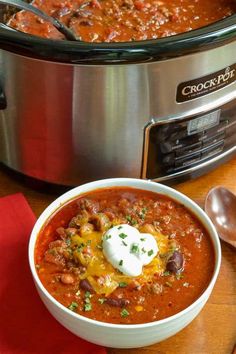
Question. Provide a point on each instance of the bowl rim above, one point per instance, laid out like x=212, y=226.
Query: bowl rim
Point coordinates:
x=137, y=184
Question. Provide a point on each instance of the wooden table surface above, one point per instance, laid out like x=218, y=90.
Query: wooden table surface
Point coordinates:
x=214, y=330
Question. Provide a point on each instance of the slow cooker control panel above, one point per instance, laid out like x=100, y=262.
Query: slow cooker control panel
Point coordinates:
x=180, y=145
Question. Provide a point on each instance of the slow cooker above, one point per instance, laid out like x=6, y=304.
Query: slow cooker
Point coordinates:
x=163, y=109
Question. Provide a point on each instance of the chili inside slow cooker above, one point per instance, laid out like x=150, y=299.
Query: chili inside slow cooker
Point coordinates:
x=123, y=20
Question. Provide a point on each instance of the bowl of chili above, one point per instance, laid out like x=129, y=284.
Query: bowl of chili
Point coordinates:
x=124, y=262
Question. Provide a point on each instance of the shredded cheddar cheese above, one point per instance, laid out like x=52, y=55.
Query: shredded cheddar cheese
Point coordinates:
x=103, y=277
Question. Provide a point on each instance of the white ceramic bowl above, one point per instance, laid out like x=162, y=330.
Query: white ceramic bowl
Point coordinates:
x=124, y=336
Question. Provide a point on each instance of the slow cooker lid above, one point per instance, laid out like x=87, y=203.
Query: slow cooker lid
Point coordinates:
x=208, y=37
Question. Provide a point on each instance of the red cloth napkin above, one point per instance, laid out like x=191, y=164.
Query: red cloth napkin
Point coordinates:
x=25, y=324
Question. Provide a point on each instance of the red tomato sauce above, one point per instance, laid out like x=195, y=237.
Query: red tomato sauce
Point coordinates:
x=123, y=20
x=71, y=240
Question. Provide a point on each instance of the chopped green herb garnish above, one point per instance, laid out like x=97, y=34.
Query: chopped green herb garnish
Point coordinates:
x=89, y=242
x=88, y=307
x=143, y=212
x=68, y=241
x=166, y=273
x=88, y=294
x=131, y=220
x=101, y=300
x=124, y=313
x=134, y=248
x=121, y=262
x=122, y=284
x=73, y=306
x=107, y=237
x=80, y=247
x=120, y=227
x=124, y=243
x=142, y=239
x=143, y=250
x=122, y=235
x=150, y=252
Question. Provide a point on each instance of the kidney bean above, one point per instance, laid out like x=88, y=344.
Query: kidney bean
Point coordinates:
x=67, y=279
x=116, y=302
x=175, y=262
x=85, y=285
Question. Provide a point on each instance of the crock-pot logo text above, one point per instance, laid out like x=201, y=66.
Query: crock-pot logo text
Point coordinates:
x=220, y=79
x=200, y=87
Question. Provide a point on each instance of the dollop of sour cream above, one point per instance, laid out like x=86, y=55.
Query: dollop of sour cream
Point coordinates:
x=128, y=250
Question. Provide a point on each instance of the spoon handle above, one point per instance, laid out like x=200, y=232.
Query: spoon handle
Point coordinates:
x=4, y=26
x=28, y=7
x=55, y=22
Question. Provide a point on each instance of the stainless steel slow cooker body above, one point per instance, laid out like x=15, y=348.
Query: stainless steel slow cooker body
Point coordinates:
x=74, y=112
